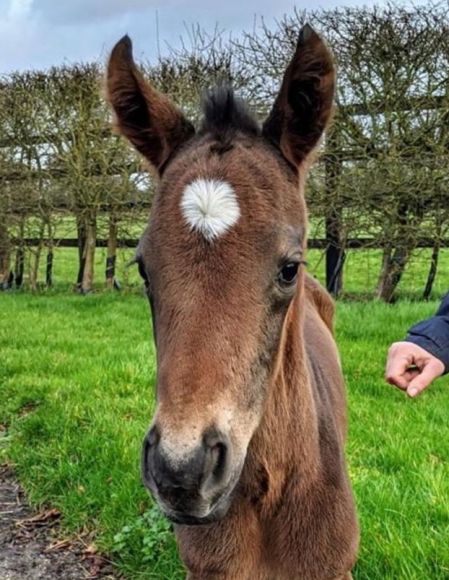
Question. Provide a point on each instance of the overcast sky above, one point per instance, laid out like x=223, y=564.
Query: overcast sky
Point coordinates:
x=41, y=33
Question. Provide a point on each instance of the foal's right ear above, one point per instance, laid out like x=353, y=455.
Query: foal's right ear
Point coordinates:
x=147, y=118
x=304, y=104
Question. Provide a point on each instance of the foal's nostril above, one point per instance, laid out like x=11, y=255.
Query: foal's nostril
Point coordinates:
x=153, y=436
x=219, y=451
x=149, y=447
x=216, y=451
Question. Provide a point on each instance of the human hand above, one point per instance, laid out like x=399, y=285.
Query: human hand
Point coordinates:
x=411, y=368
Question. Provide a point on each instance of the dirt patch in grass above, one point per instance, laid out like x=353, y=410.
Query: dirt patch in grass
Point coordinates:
x=32, y=549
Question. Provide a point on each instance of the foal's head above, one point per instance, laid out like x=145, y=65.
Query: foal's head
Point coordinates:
x=221, y=259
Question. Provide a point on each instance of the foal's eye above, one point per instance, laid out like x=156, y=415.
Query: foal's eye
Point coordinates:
x=288, y=274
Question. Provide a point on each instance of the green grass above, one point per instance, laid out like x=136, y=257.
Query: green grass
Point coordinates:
x=76, y=391
x=76, y=385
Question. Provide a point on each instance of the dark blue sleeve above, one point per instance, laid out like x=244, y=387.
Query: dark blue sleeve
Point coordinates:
x=433, y=334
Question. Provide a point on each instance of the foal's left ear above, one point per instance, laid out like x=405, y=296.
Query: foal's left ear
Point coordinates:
x=146, y=117
x=304, y=104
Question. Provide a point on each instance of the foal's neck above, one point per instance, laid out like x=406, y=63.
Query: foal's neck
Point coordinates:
x=287, y=438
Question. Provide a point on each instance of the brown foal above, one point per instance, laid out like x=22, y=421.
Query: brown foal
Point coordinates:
x=245, y=453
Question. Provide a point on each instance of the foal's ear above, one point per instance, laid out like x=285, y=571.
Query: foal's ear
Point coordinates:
x=147, y=118
x=304, y=104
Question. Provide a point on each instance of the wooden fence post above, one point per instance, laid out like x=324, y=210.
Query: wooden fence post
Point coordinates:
x=335, y=254
x=5, y=259
x=111, y=281
x=87, y=283
x=81, y=242
x=49, y=269
x=19, y=266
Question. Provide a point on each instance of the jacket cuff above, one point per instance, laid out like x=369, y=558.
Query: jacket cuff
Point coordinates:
x=433, y=336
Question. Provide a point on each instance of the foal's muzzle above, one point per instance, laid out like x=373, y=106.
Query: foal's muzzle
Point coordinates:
x=191, y=489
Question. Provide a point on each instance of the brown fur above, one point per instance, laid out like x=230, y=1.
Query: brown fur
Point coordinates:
x=234, y=350
x=322, y=301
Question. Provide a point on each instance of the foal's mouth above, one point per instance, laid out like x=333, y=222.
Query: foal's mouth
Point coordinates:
x=189, y=511
x=216, y=513
x=188, y=520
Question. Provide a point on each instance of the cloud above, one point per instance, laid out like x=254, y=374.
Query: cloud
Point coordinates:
x=19, y=9
x=42, y=33
x=82, y=11
x=18, y=33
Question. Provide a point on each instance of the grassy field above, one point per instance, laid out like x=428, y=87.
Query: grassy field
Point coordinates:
x=76, y=393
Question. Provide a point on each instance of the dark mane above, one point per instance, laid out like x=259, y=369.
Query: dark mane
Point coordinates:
x=225, y=114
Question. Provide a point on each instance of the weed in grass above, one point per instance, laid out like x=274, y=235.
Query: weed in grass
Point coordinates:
x=149, y=537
